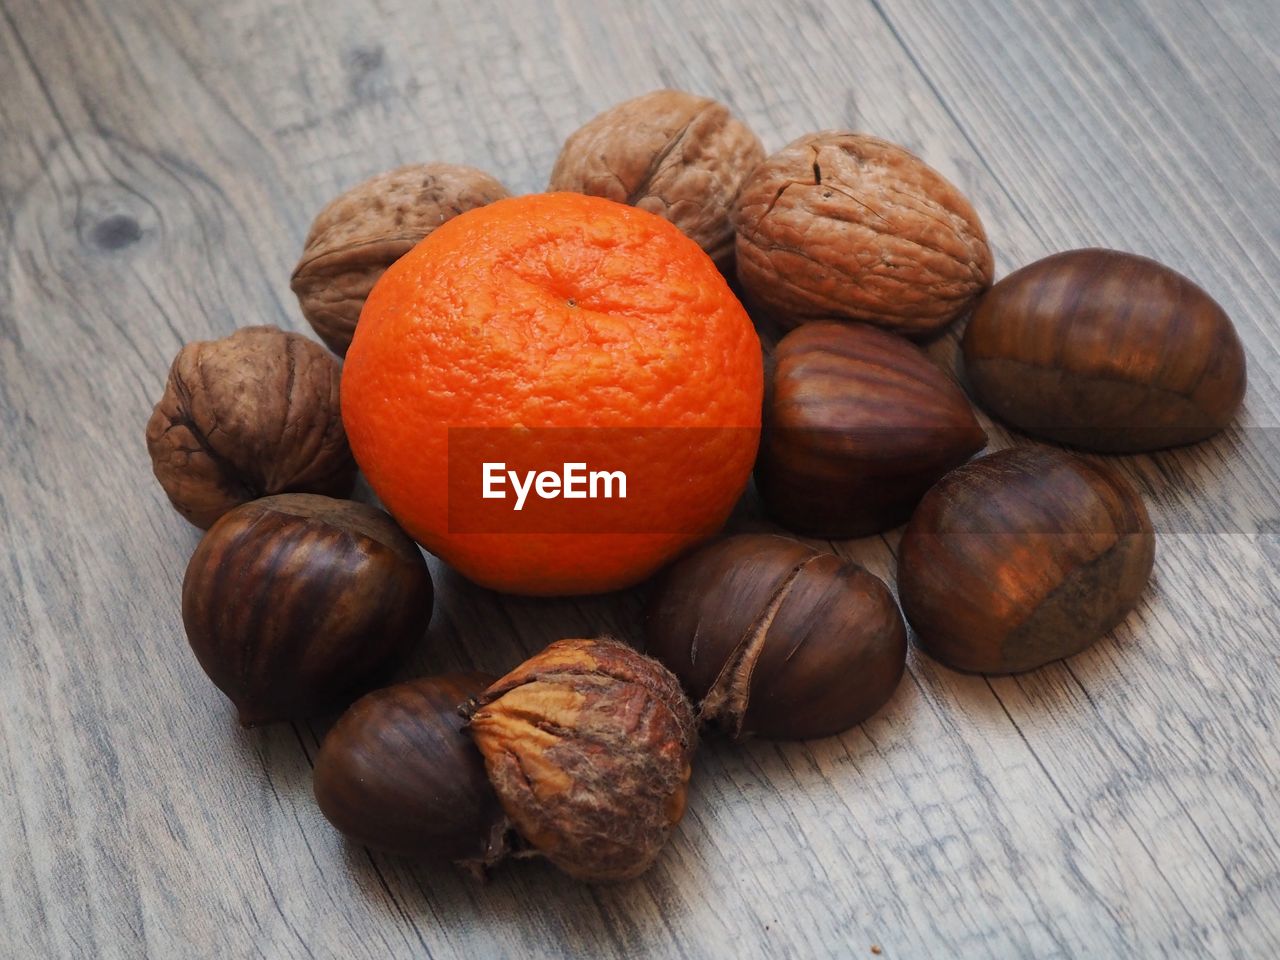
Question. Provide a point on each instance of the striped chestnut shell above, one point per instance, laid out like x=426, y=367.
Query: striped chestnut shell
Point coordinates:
x=858, y=424
x=1021, y=558
x=844, y=226
x=1105, y=351
x=398, y=773
x=297, y=603
x=773, y=638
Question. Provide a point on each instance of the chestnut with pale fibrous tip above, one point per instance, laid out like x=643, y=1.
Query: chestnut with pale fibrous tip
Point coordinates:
x=774, y=638
x=1021, y=558
x=589, y=746
x=296, y=603
x=858, y=424
x=1105, y=351
x=397, y=773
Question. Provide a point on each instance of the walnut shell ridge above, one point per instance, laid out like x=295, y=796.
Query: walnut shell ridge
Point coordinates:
x=589, y=746
x=252, y=414
x=362, y=232
x=845, y=226
x=680, y=156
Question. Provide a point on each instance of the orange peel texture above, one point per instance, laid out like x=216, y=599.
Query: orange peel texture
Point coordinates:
x=541, y=313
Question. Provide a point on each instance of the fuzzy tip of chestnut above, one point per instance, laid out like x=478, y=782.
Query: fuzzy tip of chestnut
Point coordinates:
x=397, y=773
x=1021, y=558
x=774, y=638
x=589, y=746
x=295, y=603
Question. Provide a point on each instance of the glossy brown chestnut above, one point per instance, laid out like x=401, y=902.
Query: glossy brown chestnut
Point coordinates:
x=295, y=603
x=398, y=773
x=1106, y=351
x=1021, y=558
x=774, y=638
x=589, y=746
x=858, y=424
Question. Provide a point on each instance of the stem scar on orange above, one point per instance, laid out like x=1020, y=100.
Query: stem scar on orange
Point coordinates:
x=547, y=330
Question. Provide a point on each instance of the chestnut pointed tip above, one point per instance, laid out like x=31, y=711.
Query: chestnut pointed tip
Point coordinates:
x=468, y=708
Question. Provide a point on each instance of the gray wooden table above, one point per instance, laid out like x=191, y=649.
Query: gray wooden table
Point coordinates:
x=160, y=161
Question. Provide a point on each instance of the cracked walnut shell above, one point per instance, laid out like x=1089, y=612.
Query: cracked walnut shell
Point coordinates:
x=672, y=153
x=252, y=414
x=357, y=236
x=588, y=745
x=844, y=226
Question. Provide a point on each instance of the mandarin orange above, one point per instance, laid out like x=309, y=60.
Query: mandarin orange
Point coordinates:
x=547, y=330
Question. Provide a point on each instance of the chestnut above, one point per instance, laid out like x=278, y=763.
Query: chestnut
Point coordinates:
x=772, y=637
x=294, y=603
x=1023, y=557
x=858, y=424
x=1105, y=351
x=398, y=774
x=589, y=746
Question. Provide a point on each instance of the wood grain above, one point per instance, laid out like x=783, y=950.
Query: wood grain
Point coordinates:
x=159, y=165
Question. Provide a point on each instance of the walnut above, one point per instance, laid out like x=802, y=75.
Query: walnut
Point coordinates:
x=589, y=746
x=843, y=226
x=253, y=414
x=680, y=156
x=365, y=230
